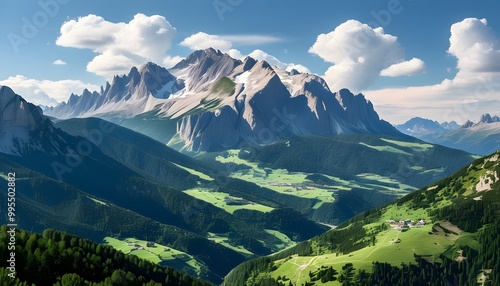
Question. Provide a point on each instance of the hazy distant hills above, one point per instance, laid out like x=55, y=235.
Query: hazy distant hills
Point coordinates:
x=481, y=137
x=418, y=126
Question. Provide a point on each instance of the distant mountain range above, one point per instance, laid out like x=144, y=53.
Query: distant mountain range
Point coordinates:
x=481, y=137
x=218, y=103
x=418, y=126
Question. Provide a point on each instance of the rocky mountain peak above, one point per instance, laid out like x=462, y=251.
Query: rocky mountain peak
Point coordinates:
x=468, y=124
x=17, y=112
x=17, y=119
x=484, y=119
x=487, y=118
x=198, y=55
x=248, y=63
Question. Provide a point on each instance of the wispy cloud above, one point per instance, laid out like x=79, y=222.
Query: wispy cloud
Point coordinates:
x=59, y=62
x=250, y=40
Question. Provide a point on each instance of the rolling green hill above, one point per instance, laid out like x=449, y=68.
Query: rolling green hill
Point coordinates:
x=444, y=234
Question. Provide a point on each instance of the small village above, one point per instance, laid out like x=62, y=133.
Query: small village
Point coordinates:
x=404, y=225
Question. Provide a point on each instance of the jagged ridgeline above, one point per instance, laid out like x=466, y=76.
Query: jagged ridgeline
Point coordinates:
x=57, y=258
x=212, y=102
x=443, y=234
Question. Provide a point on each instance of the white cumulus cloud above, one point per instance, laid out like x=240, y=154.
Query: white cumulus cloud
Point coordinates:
x=45, y=92
x=251, y=40
x=201, y=41
x=474, y=90
x=475, y=46
x=59, y=62
x=119, y=45
x=170, y=61
x=358, y=54
x=408, y=68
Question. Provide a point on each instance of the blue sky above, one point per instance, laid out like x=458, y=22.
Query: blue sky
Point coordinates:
x=410, y=68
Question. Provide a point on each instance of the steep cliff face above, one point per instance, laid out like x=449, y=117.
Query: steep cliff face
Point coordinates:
x=220, y=102
x=22, y=126
x=268, y=104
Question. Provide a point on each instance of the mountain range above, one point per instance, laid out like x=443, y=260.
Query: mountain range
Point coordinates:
x=418, y=126
x=218, y=103
x=480, y=137
x=275, y=158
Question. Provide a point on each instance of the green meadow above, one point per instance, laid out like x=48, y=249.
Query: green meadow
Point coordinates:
x=391, y=246
x=298, y=184
x=158, y=253
x=225, y=201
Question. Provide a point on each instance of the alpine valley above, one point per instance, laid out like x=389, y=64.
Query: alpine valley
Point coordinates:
x=234, y=171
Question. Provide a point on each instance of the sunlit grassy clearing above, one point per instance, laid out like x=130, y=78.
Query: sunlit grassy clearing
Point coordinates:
x=414, y=241
x=296, y=184
x=386, y=149
x=287, y=242
x=196, y=173
x=157, y=254
x=218, y=199
x=414, y=146
x=98, y=201
x=224, y=241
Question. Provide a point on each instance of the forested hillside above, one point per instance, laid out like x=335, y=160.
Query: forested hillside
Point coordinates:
x=443, y=234
x=58, y=258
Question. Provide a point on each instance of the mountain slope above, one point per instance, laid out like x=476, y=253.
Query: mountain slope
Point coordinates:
x=99, y=182
x=408, y=160
x=342, y=175
x=218, y=103
x=444, y=233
